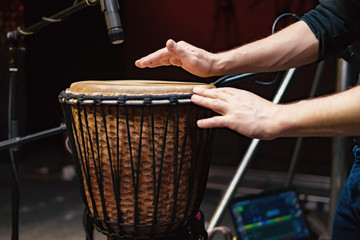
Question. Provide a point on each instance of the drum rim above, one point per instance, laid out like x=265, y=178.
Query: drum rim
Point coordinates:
x=130, y=92
x=83, y=99
x=133, y=87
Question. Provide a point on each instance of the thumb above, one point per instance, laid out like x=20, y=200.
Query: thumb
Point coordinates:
x=174, y=48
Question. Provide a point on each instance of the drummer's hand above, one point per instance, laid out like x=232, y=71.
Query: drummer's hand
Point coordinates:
x=239, y=110
x=194, y=60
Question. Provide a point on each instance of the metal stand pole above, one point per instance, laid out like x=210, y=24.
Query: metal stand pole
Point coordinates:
x=13, y=132
x=58, y=17
x=14, y=37
x=339, y=168
x=299, y=141
x=16, y=141
x=246, y=159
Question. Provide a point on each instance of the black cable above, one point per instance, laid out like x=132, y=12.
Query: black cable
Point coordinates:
x=234, y=78
x=280, y=73
x=227, y=79
x=278, y=76
x=280, y=17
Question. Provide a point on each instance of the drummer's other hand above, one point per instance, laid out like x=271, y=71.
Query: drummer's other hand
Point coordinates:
x=161, y=57
x=194, y=60
x=239, y=110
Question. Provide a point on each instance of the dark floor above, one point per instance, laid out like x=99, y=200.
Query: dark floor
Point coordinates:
x=51, y=207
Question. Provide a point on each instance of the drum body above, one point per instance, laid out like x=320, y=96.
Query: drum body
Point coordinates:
x=141, y=161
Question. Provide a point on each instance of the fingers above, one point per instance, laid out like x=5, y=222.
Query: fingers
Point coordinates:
x=162, y=57
x=217, y=105
x=225, y=94
x=213, y=122
x=159, y=58
x=219, y=100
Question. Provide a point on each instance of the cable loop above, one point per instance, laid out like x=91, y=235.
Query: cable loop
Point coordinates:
x=22, y=32
x=52, y=20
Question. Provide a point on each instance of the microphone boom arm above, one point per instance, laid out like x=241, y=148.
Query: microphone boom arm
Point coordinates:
x=58, y=17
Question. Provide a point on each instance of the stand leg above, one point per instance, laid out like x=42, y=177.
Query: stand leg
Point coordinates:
x=15, y=196
x=299, y=141
x=339, y=169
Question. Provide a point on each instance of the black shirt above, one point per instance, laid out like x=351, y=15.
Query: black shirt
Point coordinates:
x=335, y=23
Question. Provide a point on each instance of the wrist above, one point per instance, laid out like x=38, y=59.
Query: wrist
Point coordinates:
x=235, y=61
x=216, y=66
x=225, y=63
x=280, y=123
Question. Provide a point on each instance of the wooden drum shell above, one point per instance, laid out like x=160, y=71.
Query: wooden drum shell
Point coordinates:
x=142, y=168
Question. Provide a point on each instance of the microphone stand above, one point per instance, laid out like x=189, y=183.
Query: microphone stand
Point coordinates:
x=14, y=38
x=16, y=141
x=56, y=18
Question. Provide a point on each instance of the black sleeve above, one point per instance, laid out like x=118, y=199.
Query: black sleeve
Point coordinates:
x=335, y=23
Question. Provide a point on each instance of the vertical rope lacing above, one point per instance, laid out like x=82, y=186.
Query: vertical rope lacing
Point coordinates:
x=87, y=144
x=84, y=166
x=118, y=169
x=94, y=161
x=155, y=202
x=192, y=172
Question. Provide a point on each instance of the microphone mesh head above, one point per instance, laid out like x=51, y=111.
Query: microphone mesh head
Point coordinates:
x=116, y=35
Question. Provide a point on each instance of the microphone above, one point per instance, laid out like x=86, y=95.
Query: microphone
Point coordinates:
x=111, y=11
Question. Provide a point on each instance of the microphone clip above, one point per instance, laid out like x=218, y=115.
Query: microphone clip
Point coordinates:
x=92, y=3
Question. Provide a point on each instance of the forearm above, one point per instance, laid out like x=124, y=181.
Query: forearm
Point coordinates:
x=280, y=51
x=334, y=115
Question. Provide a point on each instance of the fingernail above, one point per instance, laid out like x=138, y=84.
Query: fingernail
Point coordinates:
x=196, y=89
x=194, y=97
x=171, y=44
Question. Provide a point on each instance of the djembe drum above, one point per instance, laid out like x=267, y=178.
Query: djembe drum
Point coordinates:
x=141, y=161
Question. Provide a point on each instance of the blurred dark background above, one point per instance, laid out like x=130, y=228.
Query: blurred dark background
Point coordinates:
x=78, y=49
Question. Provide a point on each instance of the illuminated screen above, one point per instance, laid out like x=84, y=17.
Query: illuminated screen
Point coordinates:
x=276, y=216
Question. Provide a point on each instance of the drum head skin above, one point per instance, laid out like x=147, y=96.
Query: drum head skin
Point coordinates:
x=133, y=87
